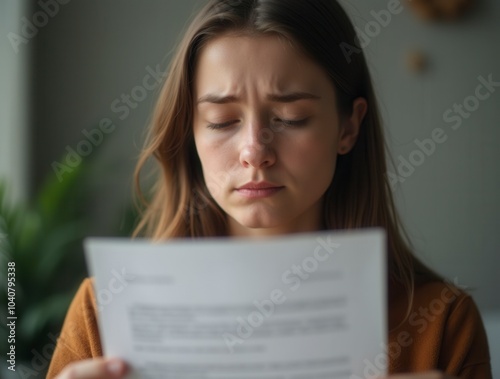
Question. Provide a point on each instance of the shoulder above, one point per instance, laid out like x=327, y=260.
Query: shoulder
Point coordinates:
x=79, y=337
x=432, y=300
x=85, y=294
x=442, y=330
x=441, y=298
x=82, y=312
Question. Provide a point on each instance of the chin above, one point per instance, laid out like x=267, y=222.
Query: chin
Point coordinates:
x=258, y=224
x=259, y=221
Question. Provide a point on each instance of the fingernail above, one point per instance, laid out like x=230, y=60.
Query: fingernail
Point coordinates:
x=115, y=368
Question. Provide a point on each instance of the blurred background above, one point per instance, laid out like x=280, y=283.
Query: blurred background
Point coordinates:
x=78, y=81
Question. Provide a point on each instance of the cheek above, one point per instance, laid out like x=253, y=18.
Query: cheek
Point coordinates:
x=211, y=170
x=206, y=148
x=312, y=159
x=215, y=154
x=317, y=167
x=217, y=162
x=312, y=151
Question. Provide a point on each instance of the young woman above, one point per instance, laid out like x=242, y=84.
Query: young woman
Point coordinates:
x=268, y=125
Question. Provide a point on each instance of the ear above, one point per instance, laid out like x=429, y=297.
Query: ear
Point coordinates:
x=349, y=128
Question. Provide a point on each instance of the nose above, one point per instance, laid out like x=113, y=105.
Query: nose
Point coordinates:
x=257, y=150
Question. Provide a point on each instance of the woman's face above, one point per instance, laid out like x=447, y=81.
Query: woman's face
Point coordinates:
x=267, y=132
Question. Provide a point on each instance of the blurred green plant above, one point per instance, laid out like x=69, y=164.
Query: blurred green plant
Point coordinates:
x=44, y=240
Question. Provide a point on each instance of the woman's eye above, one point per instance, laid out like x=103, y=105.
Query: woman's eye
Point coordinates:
x=289, y=123
x=220, y=126
x=292, y=122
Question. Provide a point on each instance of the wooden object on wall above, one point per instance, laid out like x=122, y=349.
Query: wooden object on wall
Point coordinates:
x=417, y=61
x=441, y=10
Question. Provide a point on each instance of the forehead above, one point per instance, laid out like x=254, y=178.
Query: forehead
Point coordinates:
x=234, y=62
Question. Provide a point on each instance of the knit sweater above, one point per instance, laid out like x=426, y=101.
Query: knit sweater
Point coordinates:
x=443, y=331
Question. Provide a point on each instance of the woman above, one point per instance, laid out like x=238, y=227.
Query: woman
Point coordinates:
x=267, y=125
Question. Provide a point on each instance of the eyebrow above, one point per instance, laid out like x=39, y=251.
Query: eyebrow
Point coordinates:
x=283, y=98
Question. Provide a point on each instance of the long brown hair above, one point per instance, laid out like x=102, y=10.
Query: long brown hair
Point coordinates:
x=359, y=195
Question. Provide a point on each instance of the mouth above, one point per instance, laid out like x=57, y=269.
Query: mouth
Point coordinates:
x=254, y=190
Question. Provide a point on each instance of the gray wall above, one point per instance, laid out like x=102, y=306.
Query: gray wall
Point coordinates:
x=86, y=58
x=95, y=50
x=450, y=202
x=14, y=144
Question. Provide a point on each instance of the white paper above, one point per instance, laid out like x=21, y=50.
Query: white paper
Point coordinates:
x=303, y=306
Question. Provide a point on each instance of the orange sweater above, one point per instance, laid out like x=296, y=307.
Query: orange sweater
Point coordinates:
x=443, y=331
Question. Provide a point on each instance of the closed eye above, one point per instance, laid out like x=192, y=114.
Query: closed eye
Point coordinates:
x=292, y=122
x=220, y=126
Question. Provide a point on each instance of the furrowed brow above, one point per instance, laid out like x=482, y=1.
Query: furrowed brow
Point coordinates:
x=216, y=99
x=279, y=98
x=291, y=97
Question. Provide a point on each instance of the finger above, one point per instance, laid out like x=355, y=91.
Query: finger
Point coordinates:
x=99, y=368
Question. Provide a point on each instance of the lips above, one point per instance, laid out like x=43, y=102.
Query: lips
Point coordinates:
x=256, y=190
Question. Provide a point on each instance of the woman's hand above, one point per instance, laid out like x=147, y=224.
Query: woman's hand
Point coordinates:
x=422, y=375
x=99, y=368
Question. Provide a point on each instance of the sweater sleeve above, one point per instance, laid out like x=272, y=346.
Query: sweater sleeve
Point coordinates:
x=464, y=350
x=79, y=337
